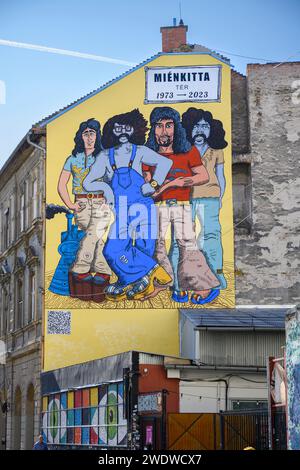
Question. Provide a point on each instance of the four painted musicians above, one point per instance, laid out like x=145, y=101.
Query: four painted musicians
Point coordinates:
x=129, y=192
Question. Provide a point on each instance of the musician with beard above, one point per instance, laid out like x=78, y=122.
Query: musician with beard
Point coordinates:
x=187, y=266
x=130, y=246
x=208, y=135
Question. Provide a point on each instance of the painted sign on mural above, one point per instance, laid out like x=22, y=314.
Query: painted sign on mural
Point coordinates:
x=139, y=197
x=183, y=84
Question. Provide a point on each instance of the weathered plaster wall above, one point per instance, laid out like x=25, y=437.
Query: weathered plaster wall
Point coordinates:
x=239, y=113
x=267, y=259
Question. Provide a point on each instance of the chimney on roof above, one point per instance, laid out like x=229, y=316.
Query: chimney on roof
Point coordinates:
x=173, y=36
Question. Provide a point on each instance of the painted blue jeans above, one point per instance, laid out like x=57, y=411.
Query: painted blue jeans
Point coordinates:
x=209, y=240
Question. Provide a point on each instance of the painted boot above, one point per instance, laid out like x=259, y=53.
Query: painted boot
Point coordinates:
x=145, y=286
x=72, y=285
x=100, y=282
x=198, y=300
x=82, y=286
x=116, y=292
x=180, y=296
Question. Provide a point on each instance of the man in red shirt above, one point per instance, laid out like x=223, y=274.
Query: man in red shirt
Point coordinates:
x=168, y=138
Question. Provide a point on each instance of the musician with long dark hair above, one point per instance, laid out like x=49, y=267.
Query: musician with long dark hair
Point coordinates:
x=208, y=136
x=90, y=273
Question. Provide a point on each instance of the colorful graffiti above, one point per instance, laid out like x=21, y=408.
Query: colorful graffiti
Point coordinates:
x=293, y=379
x=88, y=417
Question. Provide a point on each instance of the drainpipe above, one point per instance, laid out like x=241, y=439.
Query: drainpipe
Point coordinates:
x=164, y=420
x=43, y=214
x=39, y=147
x=226, y=391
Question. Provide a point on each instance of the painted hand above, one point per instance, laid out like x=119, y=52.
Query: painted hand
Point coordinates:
x=77, y=207
x=109, y=195
x=188, y=182
x=147, y=189
x=180, y=182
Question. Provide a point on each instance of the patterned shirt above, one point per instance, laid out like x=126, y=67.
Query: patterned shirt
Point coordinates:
x=79, y=167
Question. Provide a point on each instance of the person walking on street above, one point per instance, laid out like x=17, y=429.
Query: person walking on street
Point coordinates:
x=40, y=444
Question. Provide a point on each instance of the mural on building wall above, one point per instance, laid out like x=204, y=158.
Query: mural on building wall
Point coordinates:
x=139, y=210
x=145, y=186
x=293, y=379
x=130, y=185
x=89, y=416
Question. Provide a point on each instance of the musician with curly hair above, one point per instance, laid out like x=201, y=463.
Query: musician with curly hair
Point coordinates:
x=130, y=246
x=208, y=136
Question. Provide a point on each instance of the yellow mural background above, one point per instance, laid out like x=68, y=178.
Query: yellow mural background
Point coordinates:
x=100, y=333
x=99, y=330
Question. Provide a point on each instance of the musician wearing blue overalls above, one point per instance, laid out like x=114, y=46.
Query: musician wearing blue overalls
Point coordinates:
x=130, y=246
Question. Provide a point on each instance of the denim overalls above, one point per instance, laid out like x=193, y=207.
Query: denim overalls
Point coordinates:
x=130, y=246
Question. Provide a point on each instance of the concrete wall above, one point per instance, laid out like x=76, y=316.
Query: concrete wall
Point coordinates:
x=267, y=259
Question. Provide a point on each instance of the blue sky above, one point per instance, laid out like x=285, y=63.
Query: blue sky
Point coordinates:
x=39, y=83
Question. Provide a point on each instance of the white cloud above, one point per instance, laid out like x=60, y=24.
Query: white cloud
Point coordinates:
x=52, y=50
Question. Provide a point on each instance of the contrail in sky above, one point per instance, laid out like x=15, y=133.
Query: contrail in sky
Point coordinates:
x=52, y=50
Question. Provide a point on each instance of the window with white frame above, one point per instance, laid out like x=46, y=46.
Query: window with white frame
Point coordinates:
x=6, y=228
x=22, y=212
x=6, y=310
x=32, y=300
x=34, y=199
x=5, y=305
x=12, y=206
x=20, y=303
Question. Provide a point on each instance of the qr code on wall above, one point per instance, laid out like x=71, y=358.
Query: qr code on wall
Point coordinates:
x=59, y=322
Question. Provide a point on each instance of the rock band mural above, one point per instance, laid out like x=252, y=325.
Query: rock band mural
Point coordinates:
x=142, y=203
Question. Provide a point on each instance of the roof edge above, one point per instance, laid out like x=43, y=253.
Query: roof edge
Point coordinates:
x=13, y=154
x=23, y=141
x=55, y=115
x=129, y=351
